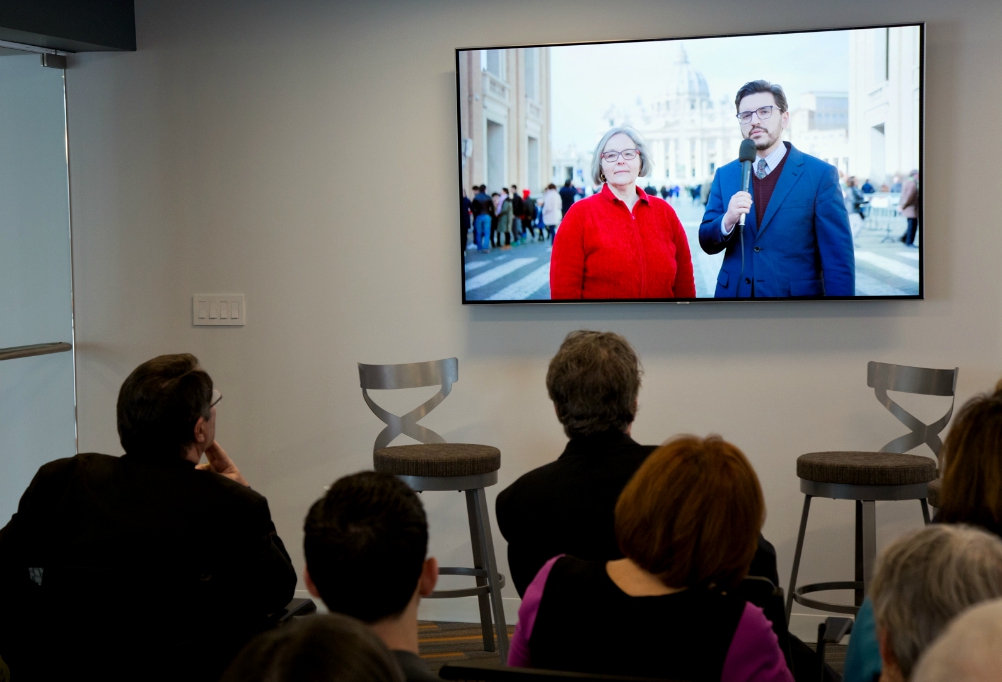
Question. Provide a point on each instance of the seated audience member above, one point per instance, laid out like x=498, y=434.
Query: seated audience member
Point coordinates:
x=365, y=545
x=566, y=506
x=328, y=648
x=925, y=579
x=687, y=524
x=147, y=565
x=971, y=493
x=969, y=651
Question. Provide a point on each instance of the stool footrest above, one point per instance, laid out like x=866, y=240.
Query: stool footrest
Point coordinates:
x=466, y=592
x=798, y=596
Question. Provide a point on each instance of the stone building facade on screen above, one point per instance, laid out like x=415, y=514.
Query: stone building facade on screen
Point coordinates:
x=504, y=110
x=884, y=107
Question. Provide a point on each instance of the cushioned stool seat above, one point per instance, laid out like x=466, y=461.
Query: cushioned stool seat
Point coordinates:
x=867, y=477
x=934, y=487
x=438, y=459
x=865, y=468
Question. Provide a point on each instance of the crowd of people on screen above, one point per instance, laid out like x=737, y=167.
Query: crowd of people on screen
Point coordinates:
x=155, y=566
x=786, y=222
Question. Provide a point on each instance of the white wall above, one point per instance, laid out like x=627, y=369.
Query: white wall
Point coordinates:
x=304, y=154
x=36, y=394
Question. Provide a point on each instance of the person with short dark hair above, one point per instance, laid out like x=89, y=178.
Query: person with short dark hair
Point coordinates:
x=505, y=216
x=566, y=506
x=796, y=241
x=326, y=648
x=568, y=195
x=482, y=209
x=365, y=543
x=517, y=214
x=687, y=523
x=149, y=559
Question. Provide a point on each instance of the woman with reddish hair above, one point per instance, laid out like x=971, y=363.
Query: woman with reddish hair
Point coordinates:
x=621, y=243
x=688, y=524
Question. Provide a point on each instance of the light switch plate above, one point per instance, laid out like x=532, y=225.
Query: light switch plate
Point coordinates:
x=213, y=310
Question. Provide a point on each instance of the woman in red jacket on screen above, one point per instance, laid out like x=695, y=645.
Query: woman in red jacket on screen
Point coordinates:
x=621, y=243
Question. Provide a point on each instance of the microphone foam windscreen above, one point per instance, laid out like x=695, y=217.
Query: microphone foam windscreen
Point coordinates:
x=747, y=151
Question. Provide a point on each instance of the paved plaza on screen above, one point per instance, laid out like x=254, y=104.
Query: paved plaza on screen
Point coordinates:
x=884, y=266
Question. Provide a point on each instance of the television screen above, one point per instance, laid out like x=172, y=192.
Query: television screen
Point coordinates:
x=775, y=166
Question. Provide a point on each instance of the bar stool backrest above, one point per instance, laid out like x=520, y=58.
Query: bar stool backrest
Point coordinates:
x=409, y=375
x=883, y=377
x=442, y=373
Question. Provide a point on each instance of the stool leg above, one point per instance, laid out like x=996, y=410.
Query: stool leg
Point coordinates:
x=484, y=526
x=925, y=511
x=796, y=557
x=478, y=562
x=869, y=541
x=860, y=593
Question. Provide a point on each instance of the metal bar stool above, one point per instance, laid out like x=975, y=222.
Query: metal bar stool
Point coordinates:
x=866, y=477
x=437, y=465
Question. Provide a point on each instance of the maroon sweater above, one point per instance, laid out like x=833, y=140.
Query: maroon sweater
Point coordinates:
x=762, y=189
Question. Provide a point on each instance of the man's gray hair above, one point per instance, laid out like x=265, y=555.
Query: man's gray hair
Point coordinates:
x=969, y=651
x=926, y=578
x=646, y=164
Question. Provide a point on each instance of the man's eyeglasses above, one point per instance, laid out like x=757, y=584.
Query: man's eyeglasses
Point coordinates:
x=627, y=154
x=763, y=113
x=216, y=397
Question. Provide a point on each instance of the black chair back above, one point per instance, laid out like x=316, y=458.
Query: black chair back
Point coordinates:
x=770, y=598
x=470, y=672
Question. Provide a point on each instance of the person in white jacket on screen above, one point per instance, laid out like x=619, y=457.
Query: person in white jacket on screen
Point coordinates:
x=551, y=208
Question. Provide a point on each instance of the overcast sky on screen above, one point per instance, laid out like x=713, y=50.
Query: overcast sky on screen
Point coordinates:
x=586, y=79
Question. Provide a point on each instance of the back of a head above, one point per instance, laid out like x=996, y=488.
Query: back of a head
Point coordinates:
x=365, y=544
x=692, y=513
x=593, y=381
x=327, y=648
x=970, y=650
x=926, y=578
x=972, y=464
x=160, y=403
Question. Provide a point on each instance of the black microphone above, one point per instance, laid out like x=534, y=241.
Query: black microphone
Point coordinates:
x=746, y=155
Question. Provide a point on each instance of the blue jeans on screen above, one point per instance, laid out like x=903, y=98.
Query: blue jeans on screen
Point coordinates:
x=482, y=231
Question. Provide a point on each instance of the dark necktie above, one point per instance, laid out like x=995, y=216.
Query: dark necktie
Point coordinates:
x=760, y=171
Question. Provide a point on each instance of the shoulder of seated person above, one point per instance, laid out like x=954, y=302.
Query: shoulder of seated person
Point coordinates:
x=83, y=460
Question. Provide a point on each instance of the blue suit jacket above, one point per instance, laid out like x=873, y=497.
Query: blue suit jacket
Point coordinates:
x=803, y=246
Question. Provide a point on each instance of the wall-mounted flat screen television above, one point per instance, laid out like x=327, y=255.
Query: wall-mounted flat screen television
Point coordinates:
x=752, y=167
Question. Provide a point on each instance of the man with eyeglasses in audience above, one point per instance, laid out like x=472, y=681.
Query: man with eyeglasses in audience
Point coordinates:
x=366, y=543
x=796, y=240
x=145, y=566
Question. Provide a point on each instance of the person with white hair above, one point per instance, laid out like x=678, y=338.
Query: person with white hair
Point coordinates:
x=925, y=579
x=969, y=651
x=621, y=243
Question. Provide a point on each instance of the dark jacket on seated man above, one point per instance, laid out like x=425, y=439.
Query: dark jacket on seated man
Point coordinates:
x=566, y=507
x=142, y=566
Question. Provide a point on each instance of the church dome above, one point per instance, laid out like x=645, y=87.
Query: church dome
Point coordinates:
x=689, y=83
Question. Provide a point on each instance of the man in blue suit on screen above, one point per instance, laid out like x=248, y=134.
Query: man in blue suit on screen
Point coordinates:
x=796, y=237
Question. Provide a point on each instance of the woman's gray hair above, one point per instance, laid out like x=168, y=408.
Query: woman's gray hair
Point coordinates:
x=926, y=578
x=969, y=651
x=646, y=164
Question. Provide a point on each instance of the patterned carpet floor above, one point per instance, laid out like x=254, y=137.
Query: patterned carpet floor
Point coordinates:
x=443, y=642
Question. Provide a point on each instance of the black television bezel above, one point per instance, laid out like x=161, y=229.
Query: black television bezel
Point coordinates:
x=685, y=301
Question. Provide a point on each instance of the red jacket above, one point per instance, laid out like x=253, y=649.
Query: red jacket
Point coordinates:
x=603, y=251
